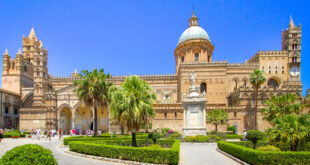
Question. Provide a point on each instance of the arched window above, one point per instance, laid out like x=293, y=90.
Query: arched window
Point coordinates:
x=236, y=85
x=272, y=83
x=196, y=57
x=182, y=58
x=203, y=87
x=38, y=61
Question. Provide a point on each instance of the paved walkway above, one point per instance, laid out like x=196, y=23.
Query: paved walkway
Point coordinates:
x=203, y=154
x=62, y=158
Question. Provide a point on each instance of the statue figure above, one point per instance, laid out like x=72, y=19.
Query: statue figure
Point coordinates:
x=193, y=79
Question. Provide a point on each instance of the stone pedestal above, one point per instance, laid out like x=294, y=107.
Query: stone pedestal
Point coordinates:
x=194, y=113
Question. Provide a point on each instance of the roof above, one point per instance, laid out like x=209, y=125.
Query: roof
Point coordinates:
x=9, y=92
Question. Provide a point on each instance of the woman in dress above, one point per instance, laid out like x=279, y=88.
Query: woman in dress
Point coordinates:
x=1, y=134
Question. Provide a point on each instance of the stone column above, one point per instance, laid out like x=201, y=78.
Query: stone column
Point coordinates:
x=73, y=123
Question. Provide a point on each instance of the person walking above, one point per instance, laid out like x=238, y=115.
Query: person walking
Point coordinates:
x=1, y=134
x=32, y=134
x=73, y=132
x=49, y=134
x=99, y=132
x=38, y=133
x=59, y=132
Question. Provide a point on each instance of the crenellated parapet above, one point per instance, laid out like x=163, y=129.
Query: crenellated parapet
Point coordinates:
x=218, y=64
x=268, y=53
x=120, y=78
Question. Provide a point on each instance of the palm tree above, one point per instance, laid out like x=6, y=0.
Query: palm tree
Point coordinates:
x=257, y=79
x=132, y=104
x=117, y=106
x=92, y=88
x=281, y=105
x=292, y=130
x=307, y=98
x=217, y=117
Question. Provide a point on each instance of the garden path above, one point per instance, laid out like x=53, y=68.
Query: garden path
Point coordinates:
x=203, y=154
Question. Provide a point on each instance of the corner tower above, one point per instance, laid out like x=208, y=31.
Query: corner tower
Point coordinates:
x=194, y=45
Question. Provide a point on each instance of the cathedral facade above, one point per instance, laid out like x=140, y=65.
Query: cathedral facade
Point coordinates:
x=48, y=102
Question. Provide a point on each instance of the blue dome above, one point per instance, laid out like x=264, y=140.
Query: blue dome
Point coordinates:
x=194, y=32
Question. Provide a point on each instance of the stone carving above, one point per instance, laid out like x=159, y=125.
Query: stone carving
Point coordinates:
x=194, y=110
x=193, y=79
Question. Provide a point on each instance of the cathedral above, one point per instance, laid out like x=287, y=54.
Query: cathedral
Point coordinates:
x=48, y=102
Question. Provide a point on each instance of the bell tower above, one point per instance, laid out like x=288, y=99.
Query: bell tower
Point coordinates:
x=291, y=41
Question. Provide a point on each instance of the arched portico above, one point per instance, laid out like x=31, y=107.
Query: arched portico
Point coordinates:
x=64, y=118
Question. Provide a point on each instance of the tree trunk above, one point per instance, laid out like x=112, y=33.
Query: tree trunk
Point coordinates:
x=146, y=126
x=122, y=129
x=255, y=113
x=133, y=138
x=95, y=122
x=215, y=127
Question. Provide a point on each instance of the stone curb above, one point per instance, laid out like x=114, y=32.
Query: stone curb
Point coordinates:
x=108, y=159
x=232, y=157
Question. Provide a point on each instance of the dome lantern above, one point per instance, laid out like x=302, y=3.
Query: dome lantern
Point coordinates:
x=193, y=21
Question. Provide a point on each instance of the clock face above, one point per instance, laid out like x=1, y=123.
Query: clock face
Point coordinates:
x=294, y=71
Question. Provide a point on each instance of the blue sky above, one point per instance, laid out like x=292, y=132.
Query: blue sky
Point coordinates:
x=139, y=37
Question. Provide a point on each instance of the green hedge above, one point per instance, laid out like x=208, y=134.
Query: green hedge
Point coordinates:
x=126, y=142
x=140, y=154
x=199, y=138
x=29, y=154
x=13, y=133
x=249, y=144
x=234, y=136
x=88, y=138
x=257, y=157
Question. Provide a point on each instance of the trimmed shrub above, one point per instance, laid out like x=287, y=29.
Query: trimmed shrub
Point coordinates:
x=249, y=144
x=140, y=154
x=254, y=136
x=257, y=157
x=234, y=136
x=268, y=148
x=28, y=154
x=154, y=136
x=175, y=135
x=232, y=129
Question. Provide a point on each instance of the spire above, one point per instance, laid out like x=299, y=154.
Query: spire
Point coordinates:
x=291, y=23
x=32, y=34
x=193, y=21
x=6, y=51
x=19, y=51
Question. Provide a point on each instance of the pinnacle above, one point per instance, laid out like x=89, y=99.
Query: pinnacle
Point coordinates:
x=6, y=51
x=291, y=25
x=32, y=34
